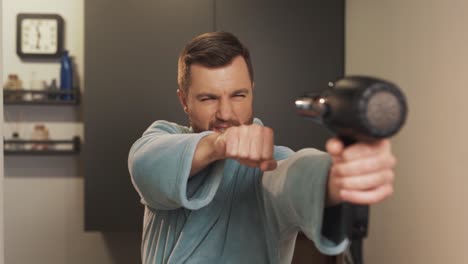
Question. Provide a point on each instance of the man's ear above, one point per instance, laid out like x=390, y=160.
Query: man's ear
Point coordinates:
x=182, y=99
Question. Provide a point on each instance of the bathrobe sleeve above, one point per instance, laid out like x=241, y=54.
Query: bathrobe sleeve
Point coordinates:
x=294, y=196
x=159, y=164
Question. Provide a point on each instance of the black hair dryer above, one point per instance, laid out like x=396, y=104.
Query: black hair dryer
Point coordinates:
x=356, y=108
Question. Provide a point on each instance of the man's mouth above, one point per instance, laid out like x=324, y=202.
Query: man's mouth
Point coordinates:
x=220, y=129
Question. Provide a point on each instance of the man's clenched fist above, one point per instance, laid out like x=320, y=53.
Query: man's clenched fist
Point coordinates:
x=251, y=145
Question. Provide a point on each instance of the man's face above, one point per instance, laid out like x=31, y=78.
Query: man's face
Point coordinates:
x=218, y=98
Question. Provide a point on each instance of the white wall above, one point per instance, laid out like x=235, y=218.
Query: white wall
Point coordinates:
x=1, y=143
x=44, y=196
x=61, y=126
x=422, y=45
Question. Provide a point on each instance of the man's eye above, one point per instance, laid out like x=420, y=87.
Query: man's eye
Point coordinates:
x=206, y=99
x=239, y=95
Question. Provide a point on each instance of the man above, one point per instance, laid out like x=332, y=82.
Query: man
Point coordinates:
x=219, y=191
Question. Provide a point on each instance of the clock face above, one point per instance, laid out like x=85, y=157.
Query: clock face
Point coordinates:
x=39, y=35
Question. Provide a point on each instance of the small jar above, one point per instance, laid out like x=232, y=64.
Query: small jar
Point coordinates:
x=41, y=132
x=14, y=85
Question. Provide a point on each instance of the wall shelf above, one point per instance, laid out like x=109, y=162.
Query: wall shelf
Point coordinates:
x=42, y=147
x=41, y=97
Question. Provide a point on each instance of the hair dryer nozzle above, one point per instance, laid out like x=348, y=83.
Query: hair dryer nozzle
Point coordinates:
x=311, y=106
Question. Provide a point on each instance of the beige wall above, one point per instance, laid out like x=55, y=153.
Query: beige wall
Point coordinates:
x=422, y=46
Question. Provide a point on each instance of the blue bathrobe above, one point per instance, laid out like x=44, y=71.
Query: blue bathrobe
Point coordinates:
x=227, y=213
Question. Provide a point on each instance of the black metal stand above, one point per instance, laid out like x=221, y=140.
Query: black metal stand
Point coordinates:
x=355, y=221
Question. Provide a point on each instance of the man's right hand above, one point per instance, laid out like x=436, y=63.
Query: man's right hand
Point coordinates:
x=251, y=145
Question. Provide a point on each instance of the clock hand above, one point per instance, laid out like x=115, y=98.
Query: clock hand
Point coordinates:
x=38, y=37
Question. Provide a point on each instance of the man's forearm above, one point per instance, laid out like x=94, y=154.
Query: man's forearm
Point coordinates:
x=205, y=153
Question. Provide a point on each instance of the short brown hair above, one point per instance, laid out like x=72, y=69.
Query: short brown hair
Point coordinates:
x=214, y=49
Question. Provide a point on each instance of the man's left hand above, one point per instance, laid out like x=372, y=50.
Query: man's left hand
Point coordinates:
x=361, y=173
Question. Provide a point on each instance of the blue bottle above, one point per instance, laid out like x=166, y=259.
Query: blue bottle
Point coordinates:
x=66, y=76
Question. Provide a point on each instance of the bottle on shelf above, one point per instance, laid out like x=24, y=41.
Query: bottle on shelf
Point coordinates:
x=16, y=146
x=66, y=76
x=53, y=88
x=11, y=145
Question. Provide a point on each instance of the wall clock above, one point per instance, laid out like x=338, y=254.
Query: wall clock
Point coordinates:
x=39, y=36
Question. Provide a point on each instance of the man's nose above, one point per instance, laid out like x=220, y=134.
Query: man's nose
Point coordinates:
x=224, y=112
